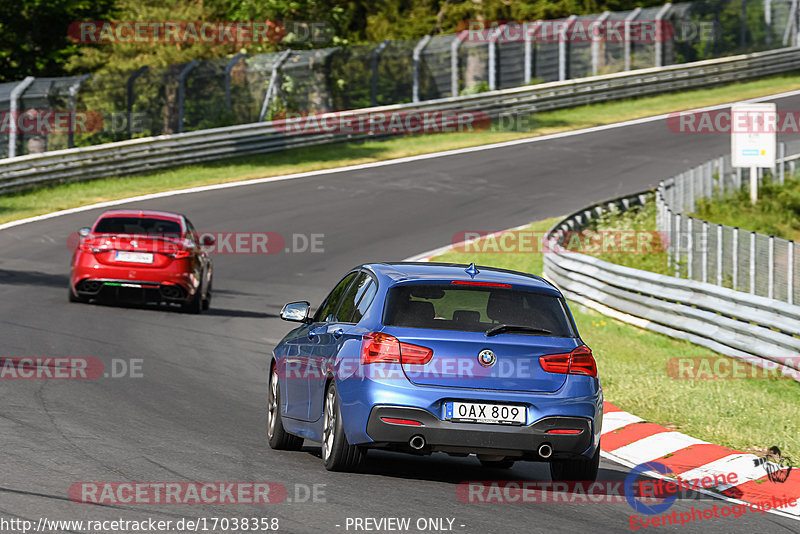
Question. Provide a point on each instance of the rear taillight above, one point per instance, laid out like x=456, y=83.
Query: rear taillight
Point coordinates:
x=176, y=254
x=578, y=362
x=93, y=246
x=377, y=347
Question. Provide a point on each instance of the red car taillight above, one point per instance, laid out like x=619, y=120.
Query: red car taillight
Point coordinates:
x=578, y=362
x=377, y=347
x=93, y=246
x=177, y=254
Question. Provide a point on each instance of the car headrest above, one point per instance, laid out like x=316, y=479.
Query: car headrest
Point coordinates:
x=418, y=312
x=504, y=307
x=466, y=316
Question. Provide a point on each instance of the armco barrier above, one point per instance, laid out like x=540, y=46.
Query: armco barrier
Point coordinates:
x=152, y=153
x=737, y=324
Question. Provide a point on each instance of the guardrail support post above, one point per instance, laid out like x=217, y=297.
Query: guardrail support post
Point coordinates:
x=563, y=49
x=627, y=44
x=416, y=55
x=455, y=45
x=13, y=110
x=735, y=258
x=228, y=68
x=771, y=268
x=373, y=83
x=719, y=254
x=129, y=86
x=73, y=104
x=182, y=91
x=273, y=83
x=753, y=263
x=596, y=41
x=659, y=44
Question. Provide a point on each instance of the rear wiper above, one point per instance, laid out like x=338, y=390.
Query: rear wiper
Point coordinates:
x=499, y=329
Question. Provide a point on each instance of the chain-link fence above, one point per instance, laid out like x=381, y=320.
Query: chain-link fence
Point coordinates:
x=736, y=258
x=248, y=88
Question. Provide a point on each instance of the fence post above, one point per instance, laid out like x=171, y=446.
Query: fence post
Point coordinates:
x=528, y=49
x=768, y=21
x=131, y=80
x=743, y=25
x=719, y=254
x=693, y=178
x=596, y=41
x=228, y=68
x=455, y=45
x=627, y=44
x=771, y=268
x=752, y=263
x=74, y=89
x=678, y=246
x=273, y=83
x=738, y=179
x=416, y=55
x=690, y=247
x=659, y=45
x=782, y=167
x=13, y=110
x=790, y=261
x=735, y=258
x=373, y=85
x=704, y=256
x=563, y=50
x=492, y=63
x=182, y=91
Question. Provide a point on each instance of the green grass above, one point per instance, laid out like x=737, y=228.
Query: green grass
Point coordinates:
x=745, y=414
x=313, y=158
x=777, y=211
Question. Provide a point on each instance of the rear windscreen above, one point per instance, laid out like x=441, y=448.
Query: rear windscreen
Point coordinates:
x=476, y=309
x=138, y=225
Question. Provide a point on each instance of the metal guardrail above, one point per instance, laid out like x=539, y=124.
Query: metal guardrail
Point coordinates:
x=750, y=327
x=748, y=261
x=148, y=154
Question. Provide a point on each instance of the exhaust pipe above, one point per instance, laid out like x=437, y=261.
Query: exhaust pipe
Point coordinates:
x=416, y=442
x=545, y=450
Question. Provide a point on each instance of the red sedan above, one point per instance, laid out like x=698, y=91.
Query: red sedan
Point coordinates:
x=142, y=257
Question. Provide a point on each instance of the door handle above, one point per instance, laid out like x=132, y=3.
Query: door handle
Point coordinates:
x=338, y=333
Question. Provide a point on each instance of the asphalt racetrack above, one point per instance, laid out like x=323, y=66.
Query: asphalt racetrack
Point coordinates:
x=197, y=409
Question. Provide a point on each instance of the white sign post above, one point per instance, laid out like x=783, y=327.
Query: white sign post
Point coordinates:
x=753, y=139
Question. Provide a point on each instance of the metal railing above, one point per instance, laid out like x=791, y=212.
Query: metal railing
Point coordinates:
x=142, y=155
x=763, y=331
x=157, y=100
x=718, y=254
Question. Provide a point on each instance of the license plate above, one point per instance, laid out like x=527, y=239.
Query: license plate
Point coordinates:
x=481, y=412
x=134, y=257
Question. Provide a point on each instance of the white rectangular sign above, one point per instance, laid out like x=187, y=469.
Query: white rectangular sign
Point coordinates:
x=753, y=135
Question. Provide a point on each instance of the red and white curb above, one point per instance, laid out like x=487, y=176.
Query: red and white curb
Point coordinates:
x=630, y=440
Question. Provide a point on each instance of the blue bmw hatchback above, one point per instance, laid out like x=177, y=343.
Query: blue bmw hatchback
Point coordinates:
x=427, y=357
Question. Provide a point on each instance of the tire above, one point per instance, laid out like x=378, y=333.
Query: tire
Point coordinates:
x=207, y=300
x=584, y=469
x=75, y=298
x=337, y=453
x=505, y=463
x=277, y=436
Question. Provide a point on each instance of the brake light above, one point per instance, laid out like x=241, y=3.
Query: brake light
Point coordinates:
x=395, y=421
x=563, y=431
x=93, y=246
x=177, y=254
x=377, y=347
x=479, y=284
x=578, y=362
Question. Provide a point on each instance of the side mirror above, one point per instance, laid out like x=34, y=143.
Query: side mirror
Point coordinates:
x=83, y=232
x=207, y=240
x=296, y=312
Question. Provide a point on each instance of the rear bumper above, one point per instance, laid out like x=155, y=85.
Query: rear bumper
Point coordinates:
x=508, y=440
x=139, y=291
